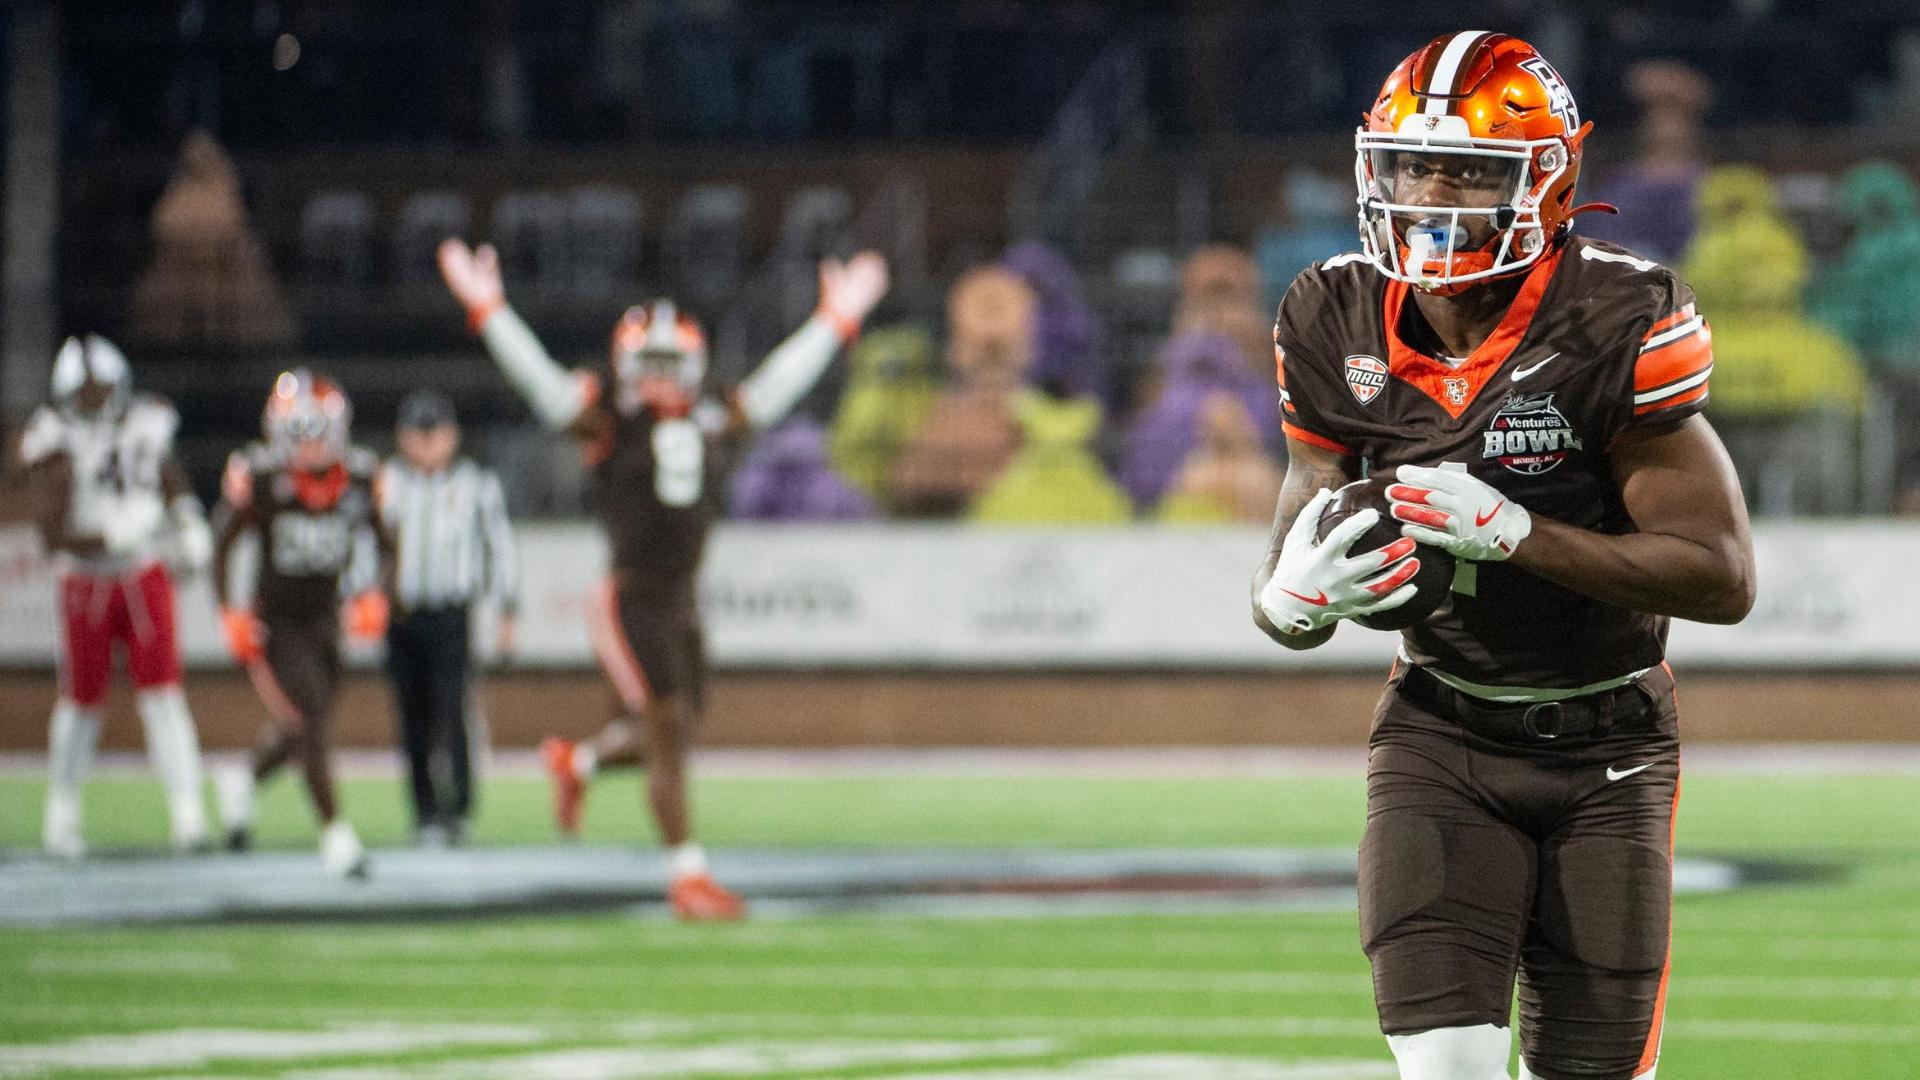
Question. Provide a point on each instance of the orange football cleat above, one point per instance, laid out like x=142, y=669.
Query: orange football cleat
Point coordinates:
x=698, y=898
x=568, y=790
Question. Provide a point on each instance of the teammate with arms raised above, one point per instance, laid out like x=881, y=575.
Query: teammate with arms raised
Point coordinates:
x=1535, y=396
x=656, y=443
x=113, y=507
x=308, y=496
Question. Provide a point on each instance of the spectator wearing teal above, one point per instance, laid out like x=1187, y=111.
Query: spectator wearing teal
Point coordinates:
x=1786, y=392
x=1871, y=295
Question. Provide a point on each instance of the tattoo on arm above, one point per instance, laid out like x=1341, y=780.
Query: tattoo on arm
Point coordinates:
x=1309, y=469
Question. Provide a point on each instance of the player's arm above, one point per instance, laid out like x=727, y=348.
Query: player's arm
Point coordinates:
x=848, y=293
x=1692, y=557
x=194, y=539
x=1306, y=585
x=51, y=481
x=563, y=400
x=232, y=516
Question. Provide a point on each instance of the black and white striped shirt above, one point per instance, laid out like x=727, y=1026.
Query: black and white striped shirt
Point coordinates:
x=453, y=536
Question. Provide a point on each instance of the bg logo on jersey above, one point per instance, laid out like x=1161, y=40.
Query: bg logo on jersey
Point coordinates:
x=1529, y=435
x=1366, y=377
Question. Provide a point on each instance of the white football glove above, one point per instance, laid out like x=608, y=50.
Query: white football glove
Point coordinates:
x=473, y=276
x=192, y=539
x=1318, y=584
x=1450, y=509
x=850, y=290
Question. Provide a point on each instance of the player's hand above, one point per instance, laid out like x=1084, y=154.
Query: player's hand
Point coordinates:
x=474, y=278
x=132, y=524
x=365, y=616
x=850, y=290
x=192, y=540
x=1316, y=584
x=1463, y=514
x=246, y=637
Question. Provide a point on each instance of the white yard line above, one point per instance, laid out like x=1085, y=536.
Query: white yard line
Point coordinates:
x=947, y=978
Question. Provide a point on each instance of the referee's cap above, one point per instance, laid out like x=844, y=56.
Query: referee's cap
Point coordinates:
x=425, y=409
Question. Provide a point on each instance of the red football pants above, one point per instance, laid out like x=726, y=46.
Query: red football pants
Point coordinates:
x=96, y=611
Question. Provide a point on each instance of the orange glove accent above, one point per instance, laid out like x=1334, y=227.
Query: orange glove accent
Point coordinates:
x=246, y=638
x=366, y=615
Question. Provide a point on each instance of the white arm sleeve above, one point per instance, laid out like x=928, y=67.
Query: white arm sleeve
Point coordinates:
x=556, y=394
x=788, y=372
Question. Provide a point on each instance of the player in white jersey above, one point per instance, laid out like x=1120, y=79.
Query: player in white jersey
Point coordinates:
x=114, y=509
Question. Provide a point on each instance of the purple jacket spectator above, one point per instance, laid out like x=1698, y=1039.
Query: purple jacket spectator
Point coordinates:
x=1194, y=367
x=788, y=477
x=1068, y=358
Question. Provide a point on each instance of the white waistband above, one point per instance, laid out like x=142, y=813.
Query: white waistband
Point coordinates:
x=1509, y=694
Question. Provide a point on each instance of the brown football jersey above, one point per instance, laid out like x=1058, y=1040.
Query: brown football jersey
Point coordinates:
x=1597, y=341
x=657, y=486
x=308, y=524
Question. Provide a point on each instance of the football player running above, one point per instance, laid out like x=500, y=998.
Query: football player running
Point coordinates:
x=1539, y=414
x=656, y=440
x=114, y=509
x=308, y=496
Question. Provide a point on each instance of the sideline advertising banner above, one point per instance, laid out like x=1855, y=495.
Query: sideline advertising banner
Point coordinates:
x=906, y=596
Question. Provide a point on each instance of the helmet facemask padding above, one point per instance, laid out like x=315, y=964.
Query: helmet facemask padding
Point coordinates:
x=1437, y=258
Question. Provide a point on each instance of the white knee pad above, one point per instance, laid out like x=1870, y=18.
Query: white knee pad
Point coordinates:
x=174, y=748
x=1455, y=1053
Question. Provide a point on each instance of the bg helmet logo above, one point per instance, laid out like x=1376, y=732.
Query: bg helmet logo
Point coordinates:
x=1366, y=377
x=1529, y=436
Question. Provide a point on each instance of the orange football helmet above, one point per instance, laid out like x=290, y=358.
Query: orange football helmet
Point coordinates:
x=659, y=358
x=1467, y=163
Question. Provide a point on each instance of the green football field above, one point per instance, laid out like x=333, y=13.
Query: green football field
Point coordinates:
x=1816, y=975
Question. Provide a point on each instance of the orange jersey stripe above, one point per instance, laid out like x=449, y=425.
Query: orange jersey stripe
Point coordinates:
x=1300, y=434
x=1696, y=394
x=1674, y=361
x=1679, y=316
x=1280, y=365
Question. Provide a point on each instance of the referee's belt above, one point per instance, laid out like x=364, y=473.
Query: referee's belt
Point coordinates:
x=1592, y=714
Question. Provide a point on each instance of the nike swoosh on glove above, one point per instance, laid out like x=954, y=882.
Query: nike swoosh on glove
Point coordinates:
x=1316, y=584
x=1453, y=510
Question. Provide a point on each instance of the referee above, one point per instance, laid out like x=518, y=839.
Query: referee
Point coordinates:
x=449, y=520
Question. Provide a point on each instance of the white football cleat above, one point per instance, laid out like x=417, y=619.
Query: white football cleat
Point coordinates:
x=341, y=852
x=61, y=833
x=233, y=794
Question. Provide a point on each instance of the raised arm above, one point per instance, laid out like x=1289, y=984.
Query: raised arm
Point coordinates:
x=559, y=397
x=848, y=293
x=1692, y=557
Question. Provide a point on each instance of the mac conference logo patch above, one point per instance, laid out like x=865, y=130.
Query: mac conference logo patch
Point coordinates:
x=1366, y=377
x=1528, y=435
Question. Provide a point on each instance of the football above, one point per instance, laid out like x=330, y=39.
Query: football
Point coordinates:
x=1431, y=582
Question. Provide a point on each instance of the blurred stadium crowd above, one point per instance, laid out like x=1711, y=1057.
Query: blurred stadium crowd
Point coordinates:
x=1097, y=352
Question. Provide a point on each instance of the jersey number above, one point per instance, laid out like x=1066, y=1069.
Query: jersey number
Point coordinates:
x=679, y=462
x=304, y=545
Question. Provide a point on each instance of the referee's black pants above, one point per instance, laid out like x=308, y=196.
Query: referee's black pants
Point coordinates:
x=427, y=654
